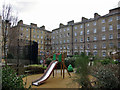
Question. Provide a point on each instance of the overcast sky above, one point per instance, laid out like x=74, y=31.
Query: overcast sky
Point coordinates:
x=53, y=12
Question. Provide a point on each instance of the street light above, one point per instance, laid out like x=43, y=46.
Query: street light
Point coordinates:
x=5, y=37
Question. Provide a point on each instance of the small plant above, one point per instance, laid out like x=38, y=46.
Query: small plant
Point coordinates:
x=10, y=80
x=105, y=61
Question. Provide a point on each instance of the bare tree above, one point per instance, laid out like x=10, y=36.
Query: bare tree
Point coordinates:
x=8, y=20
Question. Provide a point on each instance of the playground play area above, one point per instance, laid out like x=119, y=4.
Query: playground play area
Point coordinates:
x=52, y=78
x=53, y=82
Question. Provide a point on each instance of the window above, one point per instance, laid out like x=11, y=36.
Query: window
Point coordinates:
x=104, y=45
x=103, y=54
x=75, y=40
x=95, y=46
x=68, y=41
x=64, y=41
x=81, y=46
x=81, y=33
x=75, y=34
x=103, y=21
x=68, y=29
x=111, y=45
x=41, y=37
x=81, y=39
x=38, y=41
x=88, y=38
x=88, y=46
x=27, y=29
x=27, y=36
x=118, y=35
x=60, y=42
x=81, y=26
x=33, y=30
x=64, y=29
x=56, y=42
x=42, y=42
x=103, y=37
x=64, y=47
x=53, y=47
x=88, y=24
x=61, y=35
x=94, y=23
x=68, y=34
x=53, y=37
x=21, y=34
x=37, y=31
x=118, y=18
x=61, y=47
x=111, y=36
x=42, y=32
x=34, y=36
x=22, y=29
x=95, y=53
x=110, y=27
x=94, y=30
x=118, y=44
x=75, y=47
x=41, y=47
x=88, y=31
x=56, y=31
x=103, y=29
x=37, y=36
x=110, y=19
x=75, y=27
x=68, y=47
x=60, y=30
x=95, y=38
x=118, y=26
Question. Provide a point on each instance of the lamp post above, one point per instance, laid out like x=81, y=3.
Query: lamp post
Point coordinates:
x=30, y=46
x=5, y=37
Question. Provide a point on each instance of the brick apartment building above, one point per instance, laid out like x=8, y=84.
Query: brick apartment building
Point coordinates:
x=32, y=32
x=0, y=37
x=99, y=35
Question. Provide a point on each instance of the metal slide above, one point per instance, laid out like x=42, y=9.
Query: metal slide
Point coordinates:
x=46, y=74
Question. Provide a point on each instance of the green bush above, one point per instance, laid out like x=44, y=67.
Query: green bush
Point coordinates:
x=81, y=64
x=35, y=69
x=114, y=62
x=105, y=61
x=10, y=80
x=106, y=78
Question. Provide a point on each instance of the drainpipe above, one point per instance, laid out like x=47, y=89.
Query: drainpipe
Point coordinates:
x=72, y=39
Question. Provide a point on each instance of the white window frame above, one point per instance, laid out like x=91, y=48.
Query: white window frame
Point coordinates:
x=103, y=29
x=94, y=30
x=75, y=27
x=110, y=19
x=75, y=34
x=110, y=27
x=103, y=21
x=118, y=26
x=88, y=31
x=81, y=32
x=81, y=26
x=111, y=36
x=103, y=37
x=95, y=38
